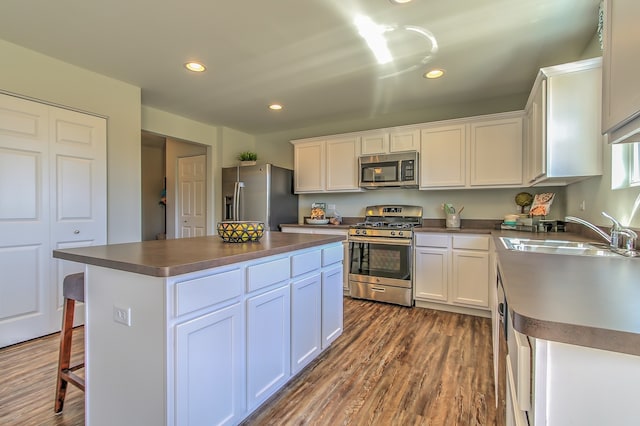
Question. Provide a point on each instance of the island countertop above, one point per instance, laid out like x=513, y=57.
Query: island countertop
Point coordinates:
x=166, y=258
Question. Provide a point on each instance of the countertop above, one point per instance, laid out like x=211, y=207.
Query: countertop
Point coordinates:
x=166, y=258
x=581, y=300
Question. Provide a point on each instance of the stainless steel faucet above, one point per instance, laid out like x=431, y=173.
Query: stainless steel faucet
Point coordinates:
x=620, y=237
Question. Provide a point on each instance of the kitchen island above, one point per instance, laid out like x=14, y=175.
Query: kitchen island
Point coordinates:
x=197, y=331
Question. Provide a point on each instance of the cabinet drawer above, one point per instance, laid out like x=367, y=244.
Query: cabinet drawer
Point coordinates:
x=305, y=262
x=432, y=240
x=267, y=273
x=471, y=242
x=207, y=291
x=332, y=255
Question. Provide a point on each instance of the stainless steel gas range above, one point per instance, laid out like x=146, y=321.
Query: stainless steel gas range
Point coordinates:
x=380, y=254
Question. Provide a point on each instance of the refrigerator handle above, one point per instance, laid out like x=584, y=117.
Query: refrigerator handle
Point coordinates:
x=236, y=199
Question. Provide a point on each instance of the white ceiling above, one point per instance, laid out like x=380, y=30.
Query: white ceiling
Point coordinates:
x=305, y=54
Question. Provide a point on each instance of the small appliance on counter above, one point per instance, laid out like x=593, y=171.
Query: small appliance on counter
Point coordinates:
x=535, y=220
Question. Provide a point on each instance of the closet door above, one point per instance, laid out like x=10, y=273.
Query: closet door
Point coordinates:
x=25, y=293
x=52, y=195
x=78, y=188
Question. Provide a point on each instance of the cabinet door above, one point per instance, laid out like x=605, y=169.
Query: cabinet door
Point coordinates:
x=537, y=133
x=210, y=369
x=306, y=317
x=431, y=274
x=404, y=140
x=496, y=152
x=443, y=156
x=332, y=305
x=342, y=164
x=375, y=143
x=470, y=281
x=268, y=344
x=621, y=64
x=309, y=166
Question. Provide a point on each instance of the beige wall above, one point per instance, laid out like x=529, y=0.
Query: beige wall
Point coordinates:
x=27, y=73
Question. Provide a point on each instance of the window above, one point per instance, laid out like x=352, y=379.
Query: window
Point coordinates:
x=625, y=165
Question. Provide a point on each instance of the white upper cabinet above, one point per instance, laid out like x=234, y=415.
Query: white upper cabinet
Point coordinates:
x=563, y=139
x=309, y=166
x=342, y=164
x=481, y=151
x=388, y=141
x=621, y=68
x=375, y=143
x=404, y=139
x=496, y=152
x=443, y=156
x=328, y=164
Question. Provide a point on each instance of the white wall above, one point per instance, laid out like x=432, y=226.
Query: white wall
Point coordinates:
x=28, y=73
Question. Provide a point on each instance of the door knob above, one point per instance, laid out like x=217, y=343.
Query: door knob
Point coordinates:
x=77, y=231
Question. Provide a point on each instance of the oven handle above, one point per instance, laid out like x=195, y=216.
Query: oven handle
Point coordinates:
x=381, y=240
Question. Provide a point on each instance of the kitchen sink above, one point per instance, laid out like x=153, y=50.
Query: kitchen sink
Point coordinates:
x=558, y=247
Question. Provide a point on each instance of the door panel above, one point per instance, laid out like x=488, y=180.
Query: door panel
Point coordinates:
x=25, y=308
x=192, y=174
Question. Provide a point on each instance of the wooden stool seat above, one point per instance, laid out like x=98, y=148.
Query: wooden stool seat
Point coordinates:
x=73, y=291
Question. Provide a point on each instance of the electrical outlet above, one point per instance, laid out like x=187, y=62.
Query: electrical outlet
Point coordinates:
x=583, y=206
x=331, y=207
x=122, y=315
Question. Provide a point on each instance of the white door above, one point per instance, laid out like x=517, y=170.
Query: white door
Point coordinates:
x=78, y=188
x=192, y=174
x=25, y=294
x=42, y=178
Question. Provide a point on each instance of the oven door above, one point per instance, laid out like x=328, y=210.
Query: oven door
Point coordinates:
x=380, y=260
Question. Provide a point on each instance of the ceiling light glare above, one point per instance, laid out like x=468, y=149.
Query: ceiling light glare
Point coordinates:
x=195, y=67
x=400, y=1
x=275, y=107
x=373, y=35
x=436, y=73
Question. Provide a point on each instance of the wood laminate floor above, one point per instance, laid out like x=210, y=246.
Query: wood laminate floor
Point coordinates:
x=392, y=366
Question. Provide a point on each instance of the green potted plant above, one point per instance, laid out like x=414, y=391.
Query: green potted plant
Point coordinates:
x=247, y=158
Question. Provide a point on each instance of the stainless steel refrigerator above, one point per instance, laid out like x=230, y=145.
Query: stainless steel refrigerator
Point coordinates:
x=262, y=193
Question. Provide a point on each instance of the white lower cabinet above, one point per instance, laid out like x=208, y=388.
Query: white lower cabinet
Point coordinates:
x=451, y=272
x=470, y=275
x=432, y=273
x=268, y=344
x=240, y=333
x=306, y=320
x=210, y=368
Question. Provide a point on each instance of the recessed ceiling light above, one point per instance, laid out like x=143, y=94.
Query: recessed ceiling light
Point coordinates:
x=195, y=67
x=275, y=107
x=400, y=1
x=435, y=73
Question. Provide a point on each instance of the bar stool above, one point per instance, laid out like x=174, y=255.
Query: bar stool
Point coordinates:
x=72, y=290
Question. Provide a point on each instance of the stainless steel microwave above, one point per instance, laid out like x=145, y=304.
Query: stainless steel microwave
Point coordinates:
x=389, y=170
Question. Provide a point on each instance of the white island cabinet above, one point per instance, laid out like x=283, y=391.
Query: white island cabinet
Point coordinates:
x=204, y=341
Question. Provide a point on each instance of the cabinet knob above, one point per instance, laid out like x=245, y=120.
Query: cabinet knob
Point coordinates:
x=77, y=231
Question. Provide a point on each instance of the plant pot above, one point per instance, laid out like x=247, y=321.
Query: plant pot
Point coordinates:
x=247, y=163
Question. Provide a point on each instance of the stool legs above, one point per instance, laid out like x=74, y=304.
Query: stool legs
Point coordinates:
x=65, y=370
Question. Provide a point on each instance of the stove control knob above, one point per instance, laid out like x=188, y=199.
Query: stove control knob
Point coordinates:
x=393, y=233
x=400, y=233
x=364, y=232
